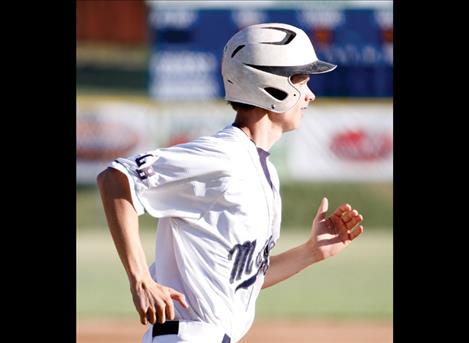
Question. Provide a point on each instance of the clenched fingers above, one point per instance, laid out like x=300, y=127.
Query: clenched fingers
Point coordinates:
x=174, y=295
x=164, y=310
x=349, y=218
x=354, y=221
x=161, y=312
x=348, y=215
x=151, y=315
x=346, y=222
x=143, y=316
x=155, y=304
x=169, y=309
x=355, y=233
x=171, y=295
x=342, y=209
x=141, y=305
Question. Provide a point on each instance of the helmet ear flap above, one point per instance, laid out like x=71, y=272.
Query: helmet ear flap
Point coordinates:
x=276, y=93
x=282, y=100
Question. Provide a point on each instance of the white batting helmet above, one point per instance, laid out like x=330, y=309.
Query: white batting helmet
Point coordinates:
x=259, y=60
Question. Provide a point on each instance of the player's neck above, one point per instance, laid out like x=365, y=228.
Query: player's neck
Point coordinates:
x=259, y=128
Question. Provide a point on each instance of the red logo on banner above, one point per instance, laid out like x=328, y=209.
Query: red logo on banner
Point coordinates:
x=322, y=35
x=361, y=145
x=180, y=138
x=104, y=140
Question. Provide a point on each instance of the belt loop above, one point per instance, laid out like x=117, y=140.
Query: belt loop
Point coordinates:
x=167, y=328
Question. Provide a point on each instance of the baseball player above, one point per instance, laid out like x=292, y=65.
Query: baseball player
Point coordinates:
x=218, y=202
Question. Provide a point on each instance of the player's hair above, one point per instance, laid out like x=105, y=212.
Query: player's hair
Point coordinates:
x=259, y=60
x=239, y=106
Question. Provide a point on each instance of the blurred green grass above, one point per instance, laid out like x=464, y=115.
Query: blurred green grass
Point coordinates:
x=300, y=201
x=357, y=283
x=90, y=213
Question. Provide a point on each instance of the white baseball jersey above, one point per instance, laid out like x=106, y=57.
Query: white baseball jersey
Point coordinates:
x=219, y=219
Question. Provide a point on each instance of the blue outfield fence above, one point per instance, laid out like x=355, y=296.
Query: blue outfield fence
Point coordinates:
x=186, y=48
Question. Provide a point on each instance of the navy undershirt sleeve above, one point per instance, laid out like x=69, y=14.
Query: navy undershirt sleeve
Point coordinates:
x=263, y=158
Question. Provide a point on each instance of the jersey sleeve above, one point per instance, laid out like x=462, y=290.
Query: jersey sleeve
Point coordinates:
x=181, y=181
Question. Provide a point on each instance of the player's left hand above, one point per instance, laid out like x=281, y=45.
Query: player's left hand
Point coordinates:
x=329, y=235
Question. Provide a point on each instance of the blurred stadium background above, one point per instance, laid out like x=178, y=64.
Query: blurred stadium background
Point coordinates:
x=148, y=75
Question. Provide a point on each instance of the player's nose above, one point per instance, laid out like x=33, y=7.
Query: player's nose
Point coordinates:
x=310, y=95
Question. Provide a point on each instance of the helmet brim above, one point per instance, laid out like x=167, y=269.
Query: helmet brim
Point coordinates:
x=317, y=67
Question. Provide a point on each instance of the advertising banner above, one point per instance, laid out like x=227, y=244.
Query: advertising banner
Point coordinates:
x=343, y=143
x=337, y=141
x=106, y=130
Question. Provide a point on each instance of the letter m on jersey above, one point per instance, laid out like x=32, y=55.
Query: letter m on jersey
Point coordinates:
x=242, y=254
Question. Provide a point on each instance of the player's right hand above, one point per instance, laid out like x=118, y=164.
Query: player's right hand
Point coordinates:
x=154, y=302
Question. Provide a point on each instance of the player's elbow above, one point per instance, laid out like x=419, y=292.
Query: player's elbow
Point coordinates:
x=100, y=179
x=112, y=185
x=110, y=180
x=106, y=178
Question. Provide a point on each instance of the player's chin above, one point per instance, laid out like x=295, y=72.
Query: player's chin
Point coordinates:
x=293, y=123
x=297, y=122
x=291, y=126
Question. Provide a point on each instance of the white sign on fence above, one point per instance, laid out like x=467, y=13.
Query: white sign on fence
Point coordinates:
x=343, y=142
x=336, y=141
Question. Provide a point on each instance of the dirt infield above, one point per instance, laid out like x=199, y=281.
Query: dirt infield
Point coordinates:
x=126, y=331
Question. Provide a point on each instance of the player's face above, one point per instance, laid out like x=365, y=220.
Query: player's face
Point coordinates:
x=292, y=118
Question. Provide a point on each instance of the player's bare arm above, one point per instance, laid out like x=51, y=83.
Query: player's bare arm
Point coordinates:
x=153, y=302
x=329, y=236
